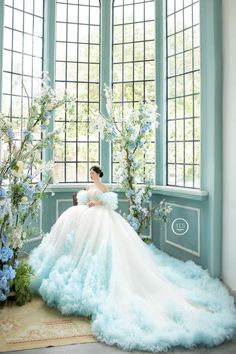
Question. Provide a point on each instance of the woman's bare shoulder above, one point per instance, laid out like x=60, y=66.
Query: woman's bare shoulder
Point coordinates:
x=104, y=188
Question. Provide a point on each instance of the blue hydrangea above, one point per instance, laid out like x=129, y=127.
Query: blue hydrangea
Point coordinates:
x=6, y=253
x=8, y=272
x=3, y=283
x=133, y=222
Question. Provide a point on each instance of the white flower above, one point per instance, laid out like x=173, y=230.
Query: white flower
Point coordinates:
x=20, y=169
x=24, y=199
x=50, y=106
x=16, y=237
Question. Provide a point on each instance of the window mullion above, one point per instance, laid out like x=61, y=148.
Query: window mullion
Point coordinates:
x=49, y=55
x=105, y=78
x=160, y=32
x=1, y=53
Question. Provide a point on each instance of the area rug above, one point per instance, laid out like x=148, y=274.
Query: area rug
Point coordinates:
x=34, y=325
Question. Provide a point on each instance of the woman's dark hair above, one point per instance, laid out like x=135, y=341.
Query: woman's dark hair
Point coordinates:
x=97, y=169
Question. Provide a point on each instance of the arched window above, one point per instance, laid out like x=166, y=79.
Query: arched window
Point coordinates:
x=77, y=73
x=134, y=63
x=183, y=93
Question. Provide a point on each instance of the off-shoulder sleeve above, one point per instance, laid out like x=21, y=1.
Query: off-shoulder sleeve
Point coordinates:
x=82, y=197
x=110, y=200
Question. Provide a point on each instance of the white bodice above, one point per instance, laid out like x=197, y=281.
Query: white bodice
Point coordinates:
x=94, y=194
x=107, y=199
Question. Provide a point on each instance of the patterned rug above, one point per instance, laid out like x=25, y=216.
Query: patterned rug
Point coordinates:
x=34, y=325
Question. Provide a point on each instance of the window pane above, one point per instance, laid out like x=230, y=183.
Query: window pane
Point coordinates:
x=22, y=63
x=133, y=64
x=183, y=93
x=77, y=71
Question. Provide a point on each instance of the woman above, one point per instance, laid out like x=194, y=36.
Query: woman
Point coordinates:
x=94, y=264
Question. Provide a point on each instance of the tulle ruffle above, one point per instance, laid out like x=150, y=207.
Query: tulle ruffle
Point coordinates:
x=138, y=298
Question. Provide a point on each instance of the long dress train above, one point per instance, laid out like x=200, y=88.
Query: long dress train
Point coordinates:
x=92, y=263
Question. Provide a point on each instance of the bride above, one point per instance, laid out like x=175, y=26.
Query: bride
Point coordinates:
x=93, y=263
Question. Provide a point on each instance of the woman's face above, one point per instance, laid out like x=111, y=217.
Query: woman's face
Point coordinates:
x=93, y=175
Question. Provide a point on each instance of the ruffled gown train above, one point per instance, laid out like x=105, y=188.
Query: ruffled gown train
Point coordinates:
x=93, y=263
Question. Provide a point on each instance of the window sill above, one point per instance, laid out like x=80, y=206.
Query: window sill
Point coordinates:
x=185, y=193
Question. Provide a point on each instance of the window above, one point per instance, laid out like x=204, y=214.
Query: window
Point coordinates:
x=77, y=73
x=22, y=58
x=183, y=93
x=134, y=64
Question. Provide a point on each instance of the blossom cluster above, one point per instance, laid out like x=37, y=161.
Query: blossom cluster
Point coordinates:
x=24, y=177
x=7, y=272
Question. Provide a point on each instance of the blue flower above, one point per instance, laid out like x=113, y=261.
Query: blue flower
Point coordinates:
x=2, y=296
x=2, y=193
x=8, y=272
x=6, y=253
x=10, y=133
x=3, y=283
x=28, y=135
x=132, y=146
x=145, y=127
x=27, y=190
x=130, y=157
x=129, y=192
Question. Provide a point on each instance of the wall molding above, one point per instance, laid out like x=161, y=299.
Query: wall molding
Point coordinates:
x=57, y=205
x=186, y=249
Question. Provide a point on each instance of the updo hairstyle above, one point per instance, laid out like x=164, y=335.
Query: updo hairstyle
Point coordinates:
x=97, y=169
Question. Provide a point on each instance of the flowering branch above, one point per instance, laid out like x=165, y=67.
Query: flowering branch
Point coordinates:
x=24, y=177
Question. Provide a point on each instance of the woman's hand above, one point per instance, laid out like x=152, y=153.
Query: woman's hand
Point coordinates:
x=92, y=203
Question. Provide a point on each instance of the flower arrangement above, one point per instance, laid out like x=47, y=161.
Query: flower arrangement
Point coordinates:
x=129, y=131
x=24, y=177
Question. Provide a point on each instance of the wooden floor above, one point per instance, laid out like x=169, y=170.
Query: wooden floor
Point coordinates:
x=98, y=348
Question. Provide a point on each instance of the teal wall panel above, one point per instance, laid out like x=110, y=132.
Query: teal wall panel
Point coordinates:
x=62, y=205
x=183, y=229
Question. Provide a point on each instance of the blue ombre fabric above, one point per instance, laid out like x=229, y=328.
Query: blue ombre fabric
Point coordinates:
x=92, y=263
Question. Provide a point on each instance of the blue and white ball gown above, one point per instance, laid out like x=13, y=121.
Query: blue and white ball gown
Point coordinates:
x=93, y=263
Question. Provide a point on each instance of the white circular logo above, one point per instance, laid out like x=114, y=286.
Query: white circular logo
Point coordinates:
x=180, y=226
